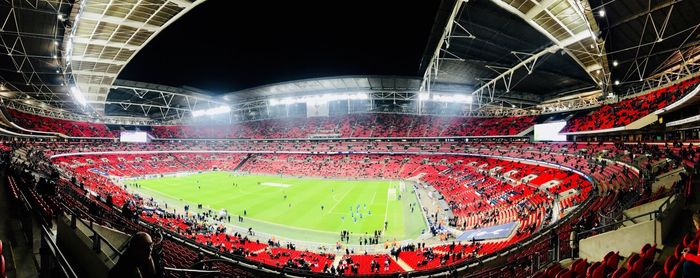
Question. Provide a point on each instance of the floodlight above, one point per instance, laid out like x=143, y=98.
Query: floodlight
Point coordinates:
x=75, y=91
x=423, y=96
x=211, y=111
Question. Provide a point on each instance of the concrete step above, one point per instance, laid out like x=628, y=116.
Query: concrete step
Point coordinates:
x=404, y=265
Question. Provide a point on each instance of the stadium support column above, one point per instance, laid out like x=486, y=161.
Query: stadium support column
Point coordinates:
x=420, y=106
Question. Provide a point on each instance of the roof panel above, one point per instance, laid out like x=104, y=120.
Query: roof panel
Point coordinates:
x=122, y=9
x=111, y=33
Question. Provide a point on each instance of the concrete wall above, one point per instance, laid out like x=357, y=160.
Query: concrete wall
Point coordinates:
x=77, y=246
x=644, y=121
x=666, y=181
x=631, y=237
x=626, y=240
x=642, y=209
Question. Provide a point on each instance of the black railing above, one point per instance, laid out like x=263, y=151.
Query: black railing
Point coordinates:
x=192, y=272
x=96, y=238
x=53, y=262
x=655, y=214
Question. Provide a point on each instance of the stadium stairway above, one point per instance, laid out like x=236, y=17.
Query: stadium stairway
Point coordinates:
x=19, y=258
x=404, y=265
x=240, y=164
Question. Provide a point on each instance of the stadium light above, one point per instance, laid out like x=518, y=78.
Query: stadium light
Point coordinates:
x=319, y=99
x=75, y=91
x=423, y=96
x=453, y=98
x=211, y=111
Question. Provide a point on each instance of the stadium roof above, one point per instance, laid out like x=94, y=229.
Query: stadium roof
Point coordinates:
x=527, y=49
x=647, y=37
x=484, y=43
x=30, y=36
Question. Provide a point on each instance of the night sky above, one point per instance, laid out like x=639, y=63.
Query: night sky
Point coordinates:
x=225, y=45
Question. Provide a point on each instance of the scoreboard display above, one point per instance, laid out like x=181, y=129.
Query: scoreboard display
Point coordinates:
x=134, y=137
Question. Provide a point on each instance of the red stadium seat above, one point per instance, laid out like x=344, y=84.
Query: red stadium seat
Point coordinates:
x=619, y=272
x=677, y=269
x=599, y=272
x=660, y=274
x=638, y=266
x=648, y=252
x=612, y=260
x=552, y=271
x=565, y=274
x=579, y=267
x=592, y=268
x=670, y=262
x=632, y=260
x=687, y=239
x=677, y=251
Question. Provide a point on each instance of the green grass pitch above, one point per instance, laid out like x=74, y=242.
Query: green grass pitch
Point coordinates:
x=298, y=216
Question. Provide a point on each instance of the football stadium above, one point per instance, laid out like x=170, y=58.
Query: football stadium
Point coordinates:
x=451, y=138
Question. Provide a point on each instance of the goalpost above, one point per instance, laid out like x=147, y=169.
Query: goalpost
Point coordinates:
x=392, y=192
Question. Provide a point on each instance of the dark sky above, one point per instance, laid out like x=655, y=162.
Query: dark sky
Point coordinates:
x=229, y=45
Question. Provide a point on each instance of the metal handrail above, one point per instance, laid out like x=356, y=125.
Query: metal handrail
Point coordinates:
x=46, y=235
x=652, y=215
x=62, y=262
x=95, y=236
x=195, y=271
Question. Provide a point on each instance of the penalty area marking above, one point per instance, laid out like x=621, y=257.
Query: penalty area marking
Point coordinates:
x=275, y=184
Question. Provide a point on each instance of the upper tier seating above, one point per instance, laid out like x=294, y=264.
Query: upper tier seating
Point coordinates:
x=355, y=126
x=67, y=127
x=627, y=111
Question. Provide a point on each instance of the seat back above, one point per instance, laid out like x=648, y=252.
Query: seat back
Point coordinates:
x=608, y=255
x=565, y=273
x=687, y=240
x=669, y=264
x=619, y=272
x=592, y=268
x=580, y=268
x=633, y=259
x=649, y=254
x=613, y=261
x=599, y=272
x=677, y=269
x=660, y=274
x=677, y=251
x=553, y=270
x=638, y=267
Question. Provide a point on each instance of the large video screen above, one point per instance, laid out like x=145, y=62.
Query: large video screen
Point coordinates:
x=550, y=132
x=134, y=137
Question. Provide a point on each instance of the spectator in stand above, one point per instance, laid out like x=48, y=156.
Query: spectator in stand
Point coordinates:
x=691, y=266
x=136, y=261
